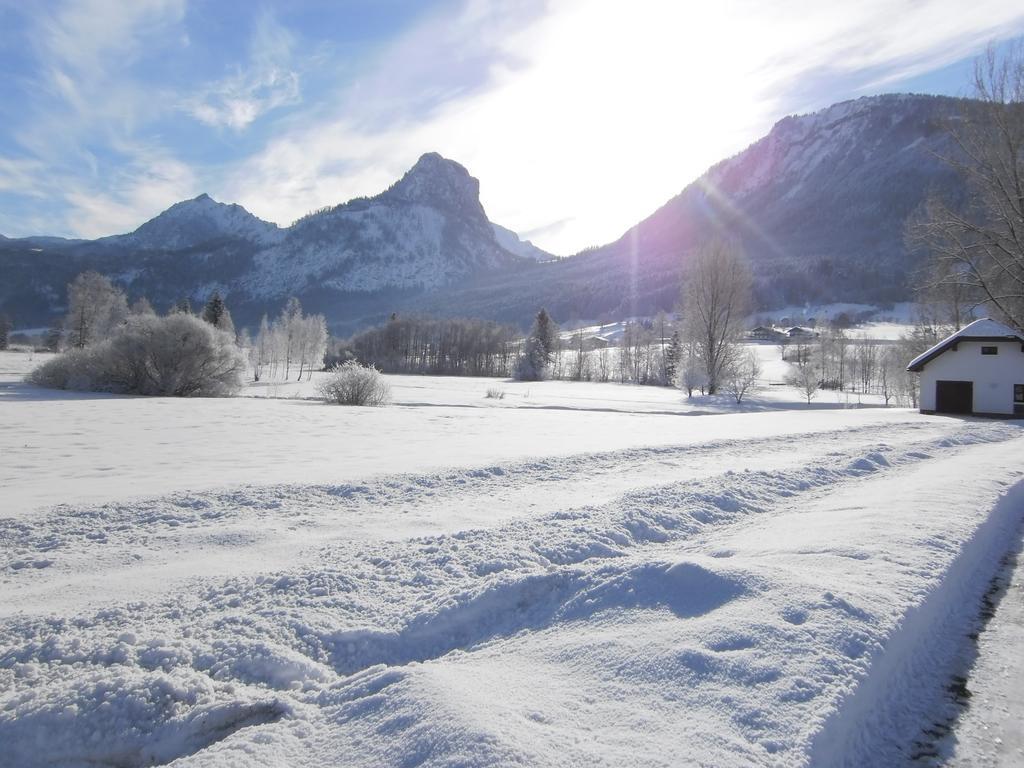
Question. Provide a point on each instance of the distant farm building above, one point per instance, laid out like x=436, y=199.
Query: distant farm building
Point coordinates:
x=595, y=342
x=764, y=333
x=978, y=370
x=799, y=333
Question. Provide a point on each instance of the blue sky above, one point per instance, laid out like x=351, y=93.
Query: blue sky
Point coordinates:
x=578, y=116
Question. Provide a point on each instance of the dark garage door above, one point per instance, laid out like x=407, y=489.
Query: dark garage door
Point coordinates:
x=954, y=396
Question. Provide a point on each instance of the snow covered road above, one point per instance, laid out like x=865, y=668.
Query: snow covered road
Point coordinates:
x=751, y=589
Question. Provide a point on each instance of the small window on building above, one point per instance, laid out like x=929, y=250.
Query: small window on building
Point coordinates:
x=990, y=350
x=1018, y=399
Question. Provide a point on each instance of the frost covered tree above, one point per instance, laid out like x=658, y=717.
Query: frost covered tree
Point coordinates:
x=311, y=342
x=291, y=339
x=804, y=377
x=743, y=376
x=141, y=306
x=96, y=307
x=716, y=299
x=891, y=367
x=54, y=337
x=181, y=307
x=290, y=321
x=579, y=363
x=260, y=350
x=692, y=375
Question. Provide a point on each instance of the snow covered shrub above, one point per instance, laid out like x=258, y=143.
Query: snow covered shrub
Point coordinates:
x=75, y=369
x=178, y=355
x=495, y=393
x=353, y=384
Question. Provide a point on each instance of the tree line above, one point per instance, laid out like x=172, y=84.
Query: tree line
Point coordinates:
x=438, y=346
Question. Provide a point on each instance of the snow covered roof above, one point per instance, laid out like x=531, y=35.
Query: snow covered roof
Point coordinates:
x=985, y=329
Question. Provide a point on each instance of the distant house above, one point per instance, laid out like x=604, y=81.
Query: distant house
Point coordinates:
x=799, y=333
x=977, y=370
x=594, y=342
x=764, y=333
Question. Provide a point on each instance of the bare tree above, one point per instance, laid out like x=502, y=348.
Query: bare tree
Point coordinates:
x=977, y=249
x=716, y=299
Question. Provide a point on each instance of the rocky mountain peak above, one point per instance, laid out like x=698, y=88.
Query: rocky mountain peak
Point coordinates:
x=201, y=219
x=439, y=183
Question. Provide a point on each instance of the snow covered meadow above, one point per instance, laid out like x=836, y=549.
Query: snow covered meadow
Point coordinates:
x=568, y=574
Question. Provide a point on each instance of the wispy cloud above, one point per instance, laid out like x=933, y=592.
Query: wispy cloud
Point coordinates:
x=149, y=181
x=267, y=82
x=22, y=175
x=78, y=141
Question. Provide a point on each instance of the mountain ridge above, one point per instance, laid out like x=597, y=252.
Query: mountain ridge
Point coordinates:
x=426, y=230
x=818, y=203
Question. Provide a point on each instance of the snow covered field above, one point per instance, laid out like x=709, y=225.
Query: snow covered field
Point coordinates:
x=575, y=574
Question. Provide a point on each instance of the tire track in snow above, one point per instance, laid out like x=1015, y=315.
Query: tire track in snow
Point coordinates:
x=358, y=605
x=412, y=504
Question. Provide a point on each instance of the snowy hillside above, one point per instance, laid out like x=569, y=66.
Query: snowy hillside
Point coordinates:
x=192, y=223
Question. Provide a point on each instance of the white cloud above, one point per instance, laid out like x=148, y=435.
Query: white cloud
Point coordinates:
x=78, y=142
x=149, y=183
x=266, y=83
x=22, y=175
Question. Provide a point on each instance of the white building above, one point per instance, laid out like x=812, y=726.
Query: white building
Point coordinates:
x=978, y=370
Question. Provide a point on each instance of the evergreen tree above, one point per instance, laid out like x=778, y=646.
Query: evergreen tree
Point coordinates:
x=538, y=349
x=5, y=331
x=54, y=335
x=673, y=356
x=213, y=312
x=182, y=307
x=545, y=331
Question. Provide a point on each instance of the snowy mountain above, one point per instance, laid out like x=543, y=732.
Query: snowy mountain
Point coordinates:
x=819, y=204
x=426, y=232
x=191, y=223
x=511, y=242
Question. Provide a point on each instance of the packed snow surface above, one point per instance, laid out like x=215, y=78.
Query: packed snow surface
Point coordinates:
x=590, y=575
x=990, y=733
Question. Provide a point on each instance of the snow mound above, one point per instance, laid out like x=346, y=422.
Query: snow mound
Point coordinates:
x=124, y=718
